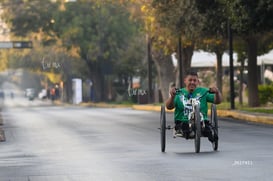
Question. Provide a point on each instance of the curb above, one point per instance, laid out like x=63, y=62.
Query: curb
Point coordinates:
x=243, y=116
x=104, y=105
x=255, y=118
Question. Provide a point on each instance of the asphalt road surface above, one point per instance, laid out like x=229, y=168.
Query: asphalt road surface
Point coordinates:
x=54, y=143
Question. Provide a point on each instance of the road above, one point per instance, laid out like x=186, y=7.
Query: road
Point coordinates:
x=72, y=143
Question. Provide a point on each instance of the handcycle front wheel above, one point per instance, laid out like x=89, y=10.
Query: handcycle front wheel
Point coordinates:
x=163, y=128
x=214, y=124
x=197, y=125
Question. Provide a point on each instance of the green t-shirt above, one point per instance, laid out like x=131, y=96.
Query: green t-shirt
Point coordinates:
x=180, y=102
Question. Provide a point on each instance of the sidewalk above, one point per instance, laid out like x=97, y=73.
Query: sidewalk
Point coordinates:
x=235, y=114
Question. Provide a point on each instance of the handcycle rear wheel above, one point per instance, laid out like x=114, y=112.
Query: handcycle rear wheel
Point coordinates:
x=214, y=124
x=197, y=125
x=163, y=128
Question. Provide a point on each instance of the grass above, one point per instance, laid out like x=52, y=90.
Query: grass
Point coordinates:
x=260, y=110
x=222, y=106
x=244, y=107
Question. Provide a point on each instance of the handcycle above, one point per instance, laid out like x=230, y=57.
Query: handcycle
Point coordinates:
x=196, y=124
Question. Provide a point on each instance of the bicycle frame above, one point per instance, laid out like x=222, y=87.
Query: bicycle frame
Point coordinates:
x=195, y=102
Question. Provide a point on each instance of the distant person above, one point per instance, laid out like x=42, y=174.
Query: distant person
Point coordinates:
x=57, y=92
x=2, y=94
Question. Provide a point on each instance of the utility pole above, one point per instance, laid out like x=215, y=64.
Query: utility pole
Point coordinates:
x=149, y=57
x=180, y=61
x=231, y=69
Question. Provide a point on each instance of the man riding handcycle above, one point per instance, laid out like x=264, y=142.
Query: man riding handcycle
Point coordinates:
x=191, y=111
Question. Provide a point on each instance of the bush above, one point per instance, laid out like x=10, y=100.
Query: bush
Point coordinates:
x=265, y=93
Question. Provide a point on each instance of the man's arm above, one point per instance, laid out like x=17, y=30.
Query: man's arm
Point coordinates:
x=170, y=101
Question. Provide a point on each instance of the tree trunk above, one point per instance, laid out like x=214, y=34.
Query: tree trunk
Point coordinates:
x=165, y=72
x=68, y=90
x=97, y=79
x=67, y=84
x=252, y=83
x=187, y=53
x=219, y=71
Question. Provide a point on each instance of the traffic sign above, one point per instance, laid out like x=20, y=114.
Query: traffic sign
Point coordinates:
x=15, y=44
x=22, y=44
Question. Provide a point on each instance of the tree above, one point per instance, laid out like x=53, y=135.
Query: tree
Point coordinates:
x=131, y=64
x=213, y=36
x=252, y=20
x=165, y=23
x=184, y=21
x=99, y=39
x=28, y=16
x=160, y=40
x=96, y=30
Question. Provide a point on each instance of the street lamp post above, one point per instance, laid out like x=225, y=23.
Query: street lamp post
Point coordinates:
x=180, y=62
x=149, y=57
x=231, y=69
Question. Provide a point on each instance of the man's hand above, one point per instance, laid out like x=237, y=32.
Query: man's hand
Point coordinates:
x=214, y=90
x=218, y=96
x=170, y=101
x=172, y=92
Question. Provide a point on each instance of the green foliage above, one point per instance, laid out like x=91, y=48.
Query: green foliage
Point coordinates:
x=265, y=93
x=252, y=20
x=215, y=18
x=249, y=17
x=179, y=16
x=99, y=30
x=130, y=63
x=26, y=16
